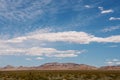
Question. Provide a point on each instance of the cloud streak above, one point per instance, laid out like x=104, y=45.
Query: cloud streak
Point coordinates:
x=39, y=58
x=113, y=28
x=114, y=18
x=39, y=51
x=87, y=6
x=69, y=36
x=105, y=11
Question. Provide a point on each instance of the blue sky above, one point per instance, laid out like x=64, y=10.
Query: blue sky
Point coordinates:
x=33, y=32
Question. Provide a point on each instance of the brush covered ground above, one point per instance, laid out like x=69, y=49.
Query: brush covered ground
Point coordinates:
x=60, y=75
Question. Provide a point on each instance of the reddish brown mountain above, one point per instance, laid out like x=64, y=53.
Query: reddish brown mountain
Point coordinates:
x=65, y=66
x=61, y=66
x=110, y=67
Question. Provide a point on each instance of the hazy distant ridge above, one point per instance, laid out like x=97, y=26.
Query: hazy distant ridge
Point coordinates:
x=61, y=66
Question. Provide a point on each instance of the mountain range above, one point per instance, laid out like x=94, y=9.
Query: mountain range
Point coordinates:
x=61, y=66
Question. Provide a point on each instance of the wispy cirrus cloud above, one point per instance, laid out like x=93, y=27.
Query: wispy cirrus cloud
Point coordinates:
x=114, y=18
x=105, y=11
x=18, y=10
x=113, y=46
x=113, y=28
x=21, y=10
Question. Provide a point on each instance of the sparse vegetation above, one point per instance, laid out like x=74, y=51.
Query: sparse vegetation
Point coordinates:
x=60, y=75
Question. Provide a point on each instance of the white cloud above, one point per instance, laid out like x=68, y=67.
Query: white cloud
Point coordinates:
x=18, y=39
x=105, y=11
x=115, y=39
x=13, y=46
x=65, y=55
x=113, y=62
x=39, y=58
x=101, y=8
x=51, y=52
x=39, y=51
x=110, y=63
x=118, y=63
x=69, y=36
x=6, y=49
x=113, y=18
x=87, y=6
x=111, y=29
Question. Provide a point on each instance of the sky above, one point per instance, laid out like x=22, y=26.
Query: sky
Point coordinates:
x=34, y=32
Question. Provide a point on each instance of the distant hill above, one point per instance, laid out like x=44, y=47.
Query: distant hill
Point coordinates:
x=8, y=67
x=65, y=66
x=61, y=66
x=110, y=67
